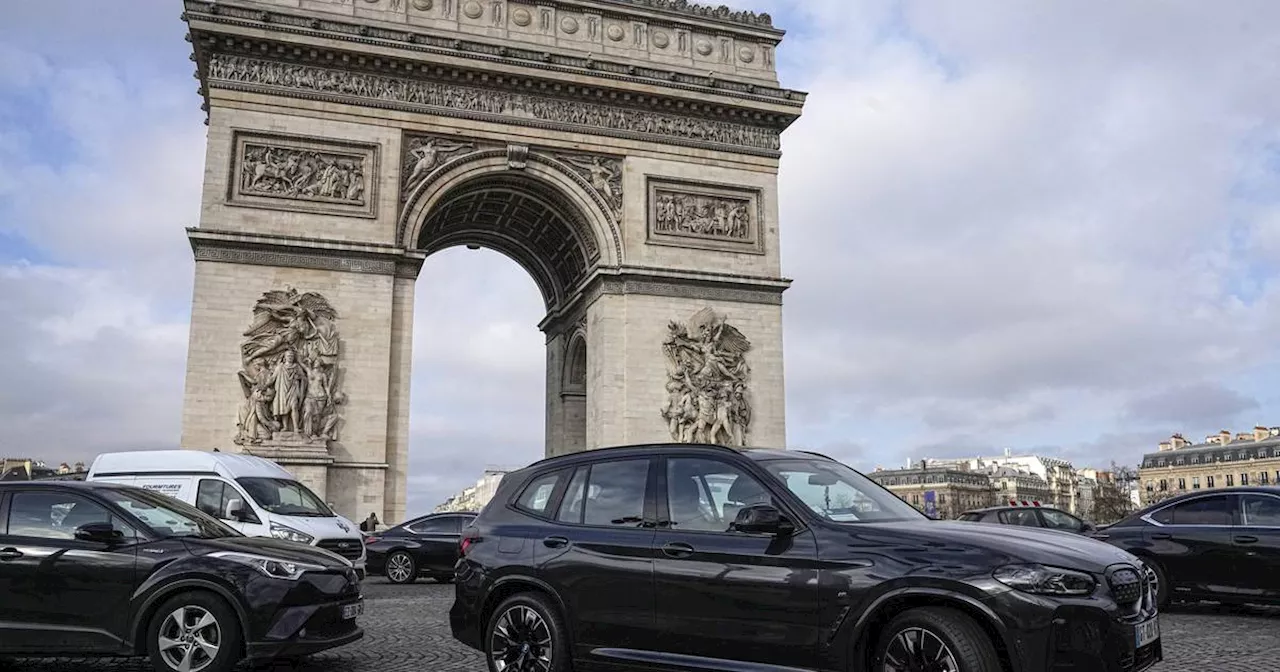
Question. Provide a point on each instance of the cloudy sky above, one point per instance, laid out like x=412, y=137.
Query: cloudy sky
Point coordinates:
x=1048, y=226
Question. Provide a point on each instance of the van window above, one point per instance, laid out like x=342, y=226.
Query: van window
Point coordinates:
x=285, y=497
x=214, y=498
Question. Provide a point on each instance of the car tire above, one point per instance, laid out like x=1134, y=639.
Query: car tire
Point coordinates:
x=541, y=627
x=941, y=631
x=1164, y=591
x=401, y=568
x=197, y=626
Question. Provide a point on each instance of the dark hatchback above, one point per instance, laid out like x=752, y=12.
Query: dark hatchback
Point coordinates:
x=709, y=558
x=104, y=569
x=1220, y=545
x=424, y=546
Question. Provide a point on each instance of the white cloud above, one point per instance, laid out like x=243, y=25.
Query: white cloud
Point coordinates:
x=1043, y=224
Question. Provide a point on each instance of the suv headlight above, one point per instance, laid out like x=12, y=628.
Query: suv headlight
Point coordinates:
x=289, y=534
x=272, y=567
x=1043, y=580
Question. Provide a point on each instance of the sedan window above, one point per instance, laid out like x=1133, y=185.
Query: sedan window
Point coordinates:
x=1058, y=520
x=1260, y=511
x=1202, y=511
x=1023, y=517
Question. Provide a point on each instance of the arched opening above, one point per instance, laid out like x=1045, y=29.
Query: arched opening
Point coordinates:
x=533, y=222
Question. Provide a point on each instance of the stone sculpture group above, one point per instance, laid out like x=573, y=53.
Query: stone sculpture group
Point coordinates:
x=289, y=373
x=707, y=377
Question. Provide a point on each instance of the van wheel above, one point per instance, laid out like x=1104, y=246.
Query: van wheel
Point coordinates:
x=401, y=568
x=194, y=632
x=526, y=634
x=934, y=639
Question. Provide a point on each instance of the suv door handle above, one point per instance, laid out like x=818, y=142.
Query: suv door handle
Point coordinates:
x=555, y=542
x=676, y=549
x=1246, y=539
x=10, y=554
x=1161, y=535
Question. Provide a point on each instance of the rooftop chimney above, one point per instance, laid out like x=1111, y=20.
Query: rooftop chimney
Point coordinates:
x=1260, y=433
x=1224, y=437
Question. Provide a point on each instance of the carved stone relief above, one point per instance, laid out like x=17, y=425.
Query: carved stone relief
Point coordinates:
x=691, y=214
x=423, y=154
x=289, y=375
x=480, y=103
x=708, y=400
x=294, y=173
x=602, y=173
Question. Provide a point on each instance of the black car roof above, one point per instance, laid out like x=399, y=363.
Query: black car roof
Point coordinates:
x=642, y=449
x=85, y=485
x=1002, y=507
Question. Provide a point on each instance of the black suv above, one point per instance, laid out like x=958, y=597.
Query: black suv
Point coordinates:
x=104, y=569
x=710, y=558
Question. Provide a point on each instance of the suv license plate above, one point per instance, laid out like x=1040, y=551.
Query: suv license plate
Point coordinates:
x=1145, y=633
x=350, y=611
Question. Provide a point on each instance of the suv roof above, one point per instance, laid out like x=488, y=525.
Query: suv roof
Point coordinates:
x=755, y=453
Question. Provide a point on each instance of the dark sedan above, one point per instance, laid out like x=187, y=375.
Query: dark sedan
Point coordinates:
x=1221, y=545
x=423, y=546
x=1029, y=515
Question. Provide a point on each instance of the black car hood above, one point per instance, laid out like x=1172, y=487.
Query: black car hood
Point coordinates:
x=272, y=548
x=1020, y=544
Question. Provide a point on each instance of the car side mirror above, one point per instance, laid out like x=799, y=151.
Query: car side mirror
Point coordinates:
x=761, y=519
x=99, y=533
x=236, y=511
x=1087, y=528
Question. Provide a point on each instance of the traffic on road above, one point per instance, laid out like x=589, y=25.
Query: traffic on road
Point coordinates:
x=673, y=557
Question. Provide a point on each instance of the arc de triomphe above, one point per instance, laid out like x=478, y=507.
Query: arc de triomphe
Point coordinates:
x=624, y=152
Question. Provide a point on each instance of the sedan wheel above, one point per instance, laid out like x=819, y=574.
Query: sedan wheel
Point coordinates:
x=401, y=568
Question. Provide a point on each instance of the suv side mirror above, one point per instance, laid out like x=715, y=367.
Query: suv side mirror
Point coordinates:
x=761, y=518
x=99, y=533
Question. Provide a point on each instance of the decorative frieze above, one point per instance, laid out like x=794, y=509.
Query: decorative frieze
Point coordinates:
x=446, y=99
x=303, y=174
x=703, y=215
x=424, y=153
x=707, y=376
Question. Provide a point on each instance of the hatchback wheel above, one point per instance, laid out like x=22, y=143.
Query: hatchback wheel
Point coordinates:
x=194, y=632
x=934, y=639
x=526, y=634
x=401, y=568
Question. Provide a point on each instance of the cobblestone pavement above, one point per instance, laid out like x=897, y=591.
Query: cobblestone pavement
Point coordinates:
x=406, y=630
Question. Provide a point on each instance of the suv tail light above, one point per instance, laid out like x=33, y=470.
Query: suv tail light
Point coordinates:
x=469, y=537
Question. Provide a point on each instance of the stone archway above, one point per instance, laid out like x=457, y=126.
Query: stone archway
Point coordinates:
x=623, y=152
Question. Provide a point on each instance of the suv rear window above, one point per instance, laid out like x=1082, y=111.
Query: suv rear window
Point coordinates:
x=536, y=497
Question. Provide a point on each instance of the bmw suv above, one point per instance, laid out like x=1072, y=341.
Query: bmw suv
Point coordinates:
x=711, y=558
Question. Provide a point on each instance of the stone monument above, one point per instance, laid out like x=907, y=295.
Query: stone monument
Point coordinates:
x=624, y=152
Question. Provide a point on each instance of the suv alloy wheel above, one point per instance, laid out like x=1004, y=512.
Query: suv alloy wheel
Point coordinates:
x=934, y=639
x=194, y=632
x=526, y=634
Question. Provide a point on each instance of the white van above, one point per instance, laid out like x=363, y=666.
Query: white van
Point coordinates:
x=251, y=494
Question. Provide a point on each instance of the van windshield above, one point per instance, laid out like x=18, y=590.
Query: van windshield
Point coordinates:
x=285, y=497
x=168, y=517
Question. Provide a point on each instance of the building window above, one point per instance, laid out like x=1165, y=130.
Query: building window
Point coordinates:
x=1230, y=480
x=942, y=499
x=915, y=499
x=1182, y=484
x=1195, y=482
x=1209, y=481
x=1262, y=477
x=1164, y=485
x=1151, y=486
x=1244, y=479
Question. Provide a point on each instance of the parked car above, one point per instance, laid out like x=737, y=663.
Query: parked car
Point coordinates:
x=427, y=545
x=1221, y=545
x=705, y=557
x=103, y=569
x=1029, y=514
x=252, y=494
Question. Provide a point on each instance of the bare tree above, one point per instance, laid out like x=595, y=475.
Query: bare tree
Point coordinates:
x=1112, y=500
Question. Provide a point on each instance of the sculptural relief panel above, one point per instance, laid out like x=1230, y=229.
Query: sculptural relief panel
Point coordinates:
x=704, y=215
x=289, y=373
x=707, y=391
x=423, y=154
x=303, y=174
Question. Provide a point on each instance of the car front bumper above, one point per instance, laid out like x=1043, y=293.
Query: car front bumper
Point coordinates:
x=318, y=612
x=1094, y=634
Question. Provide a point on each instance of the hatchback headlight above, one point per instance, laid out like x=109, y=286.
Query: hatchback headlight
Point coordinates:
x=289, y=534
x=272, y=567
x=1043, y=580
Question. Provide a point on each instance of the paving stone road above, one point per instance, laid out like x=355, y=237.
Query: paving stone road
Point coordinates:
x=406, y=630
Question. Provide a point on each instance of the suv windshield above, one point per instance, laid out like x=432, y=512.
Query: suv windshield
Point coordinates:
x=166, y=516
x=285, y=497
x=839, y=493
